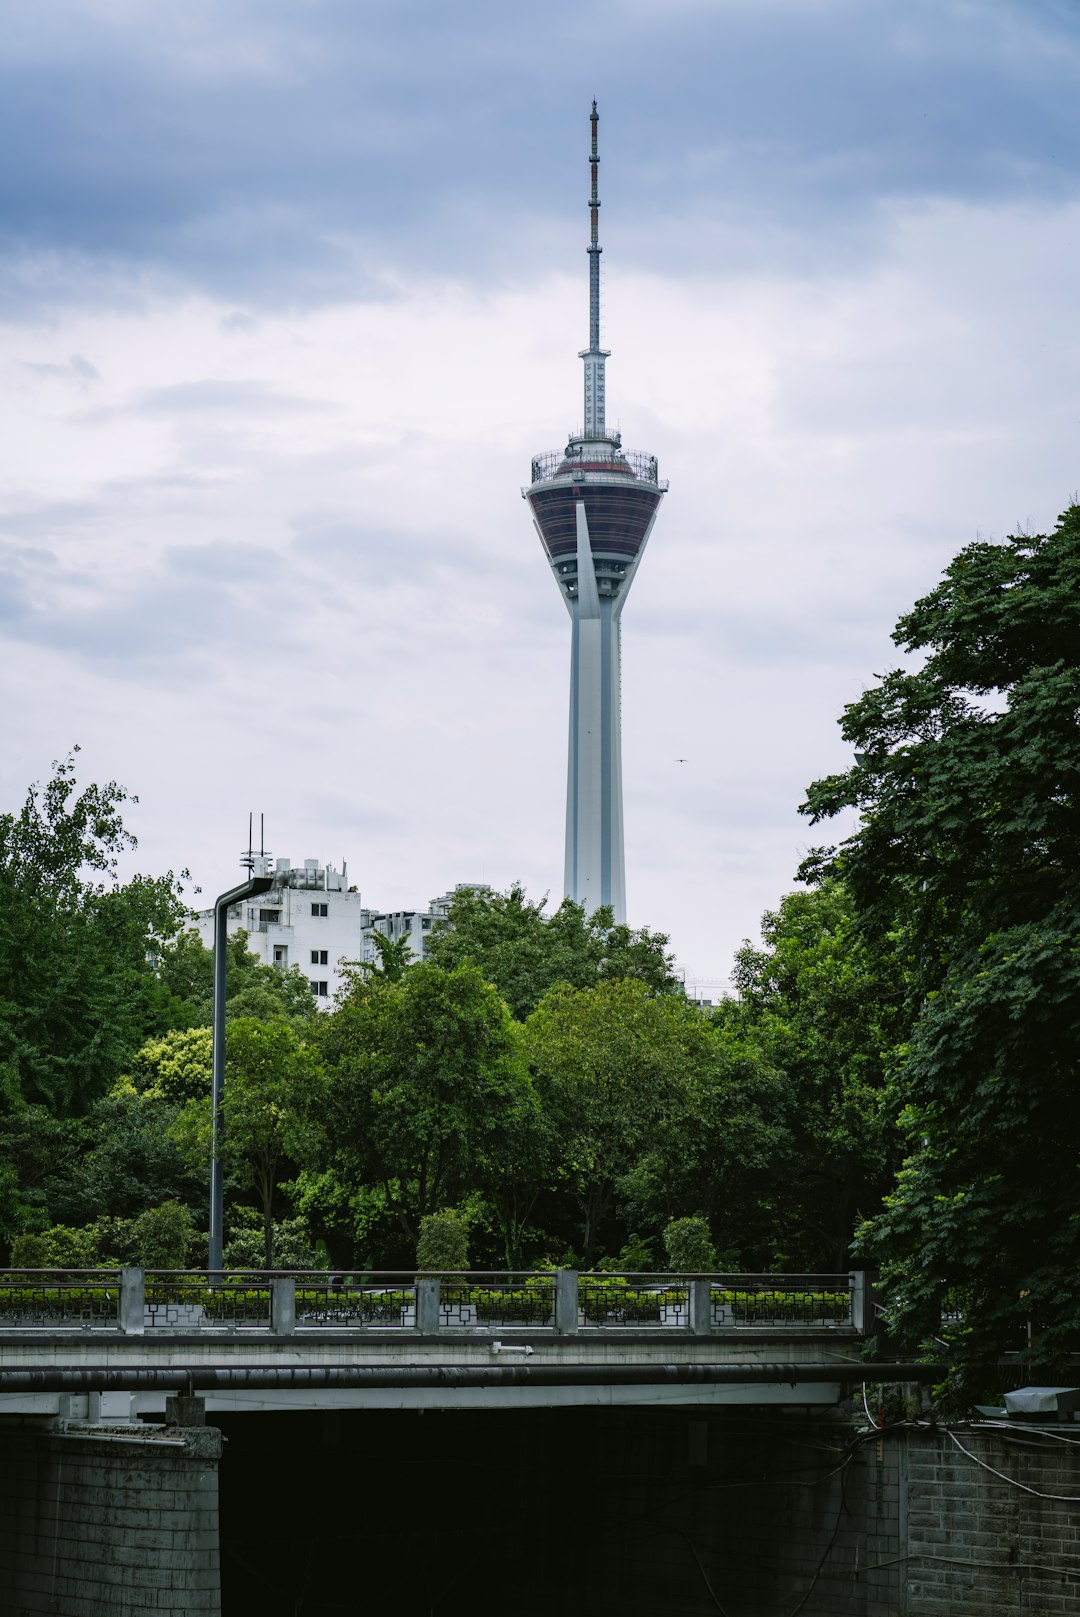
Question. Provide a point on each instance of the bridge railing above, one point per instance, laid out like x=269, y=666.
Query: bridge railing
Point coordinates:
x=563, y=1302
x=33, y=1299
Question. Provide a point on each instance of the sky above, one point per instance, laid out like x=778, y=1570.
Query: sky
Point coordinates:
x=291, y=291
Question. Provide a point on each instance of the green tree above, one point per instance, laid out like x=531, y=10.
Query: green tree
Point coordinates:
x=394, y=958
x=78, y=989
x=246, y=1244
x=688, y=1245
x=185, y=970
x=614, y=1066
x=967, y=776
x=823, y=1008
x=443, y=1242
x=725, y=1152
x=270, y=1080
x=164, y=1236
x=427, y=1096
x=175, y=1067
x=36, y=1148
x=120, y=1159
x=125, y=1163
x=525, y=953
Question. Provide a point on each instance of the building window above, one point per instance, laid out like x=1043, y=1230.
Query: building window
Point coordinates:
x=270, y=915
x=320, y=909
x=320, y=989
x=281, y=954
x=320, y=957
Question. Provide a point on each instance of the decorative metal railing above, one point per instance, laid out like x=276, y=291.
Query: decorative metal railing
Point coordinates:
x=558, y=1301
x=498, y=1301
x=607, y=1300
x=355, y=1301
x=50, y=1299
x=782, y=1299
x=644, y=467
x=177, y=1300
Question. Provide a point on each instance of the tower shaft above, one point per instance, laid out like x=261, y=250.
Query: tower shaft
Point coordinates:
x=595, y=866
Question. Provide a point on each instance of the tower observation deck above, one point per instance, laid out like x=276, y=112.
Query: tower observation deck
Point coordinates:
x=594, y=505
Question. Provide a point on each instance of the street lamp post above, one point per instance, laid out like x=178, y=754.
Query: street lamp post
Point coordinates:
x=257, y=882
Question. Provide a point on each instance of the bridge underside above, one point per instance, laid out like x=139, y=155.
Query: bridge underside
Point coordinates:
x=237, y=1371
x=118, y=1407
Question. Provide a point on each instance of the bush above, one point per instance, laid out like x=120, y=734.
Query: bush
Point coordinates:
x=636, y=1257
x=689, y=1247
x=163, y=1236
x=31, y=1251
x=444, y=1241
x=292, y=1243
x=615, y=1300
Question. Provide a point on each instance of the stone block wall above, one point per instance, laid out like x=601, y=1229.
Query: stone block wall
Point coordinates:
x=98, y=1523
x=984, y=1547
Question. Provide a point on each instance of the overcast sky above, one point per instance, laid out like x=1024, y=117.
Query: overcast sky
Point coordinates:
x=292, y=290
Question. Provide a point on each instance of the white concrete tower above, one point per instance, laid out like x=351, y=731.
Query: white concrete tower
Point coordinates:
x=594, y=505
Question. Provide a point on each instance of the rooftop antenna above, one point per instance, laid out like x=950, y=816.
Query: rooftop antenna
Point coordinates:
x=594, y=356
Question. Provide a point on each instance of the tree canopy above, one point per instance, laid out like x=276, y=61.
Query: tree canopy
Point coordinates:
x=967, y=863
x=825, y=1009
x=78, y=988
x=524, y=952
x=427, y=1096
x=185, y=970
x=271, y=1078
x=615, y=1066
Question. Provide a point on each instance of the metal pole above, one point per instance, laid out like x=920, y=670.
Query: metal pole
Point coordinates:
x=247, y=889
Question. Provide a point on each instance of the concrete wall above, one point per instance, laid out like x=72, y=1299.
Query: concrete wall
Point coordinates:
x=108, y=1523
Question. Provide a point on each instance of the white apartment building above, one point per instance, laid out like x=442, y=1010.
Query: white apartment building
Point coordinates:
x=415, y=925
x=313, y=919
x=310, y=918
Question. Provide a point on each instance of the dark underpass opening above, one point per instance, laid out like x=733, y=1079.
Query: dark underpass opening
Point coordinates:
x=568, y=1510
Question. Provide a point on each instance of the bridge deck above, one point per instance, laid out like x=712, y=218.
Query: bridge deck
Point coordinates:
x=419, y=1343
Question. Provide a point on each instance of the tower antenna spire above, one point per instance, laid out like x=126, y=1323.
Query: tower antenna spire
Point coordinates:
x=594, y=356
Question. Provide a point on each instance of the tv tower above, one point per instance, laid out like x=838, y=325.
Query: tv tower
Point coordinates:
x=594, y=505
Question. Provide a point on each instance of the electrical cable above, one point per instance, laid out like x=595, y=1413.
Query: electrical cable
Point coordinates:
x=667, y=1527
x=954, y=1560
x=1063, y=1498
x=1030, y=1431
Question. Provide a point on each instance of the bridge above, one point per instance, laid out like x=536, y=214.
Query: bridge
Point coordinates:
x=125, y=1338
x=171, y=1439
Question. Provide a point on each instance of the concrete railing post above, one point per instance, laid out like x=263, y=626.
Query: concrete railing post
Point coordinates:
x=283, y=1305
x=427, y=1305
x=566, y=1302
x=700, y=1307
x=131, y=1303
x=858, y=1281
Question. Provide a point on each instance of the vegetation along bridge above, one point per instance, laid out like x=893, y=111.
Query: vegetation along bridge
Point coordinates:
x=120, y=1340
